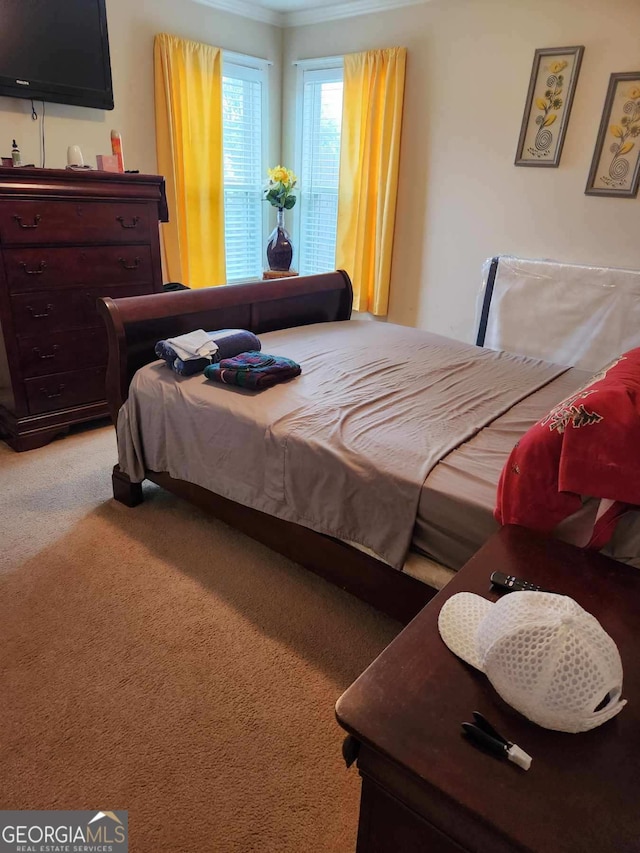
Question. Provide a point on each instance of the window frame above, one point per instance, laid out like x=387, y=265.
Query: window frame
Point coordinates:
x=322, y=68
x=243, y=67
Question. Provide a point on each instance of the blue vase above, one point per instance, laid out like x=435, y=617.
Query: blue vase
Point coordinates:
x=279, y=248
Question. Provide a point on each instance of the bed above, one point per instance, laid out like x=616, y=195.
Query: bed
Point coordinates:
x=341, y=469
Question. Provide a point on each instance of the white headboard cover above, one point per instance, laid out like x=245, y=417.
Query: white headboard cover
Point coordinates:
x=566, y=313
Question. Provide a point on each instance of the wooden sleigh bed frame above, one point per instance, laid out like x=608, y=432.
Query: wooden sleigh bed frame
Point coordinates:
x=135, y=324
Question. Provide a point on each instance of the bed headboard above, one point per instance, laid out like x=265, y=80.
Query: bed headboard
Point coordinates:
x=136, y=323
x=566, y=313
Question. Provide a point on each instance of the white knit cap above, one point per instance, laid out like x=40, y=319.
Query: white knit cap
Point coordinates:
x=546, y=656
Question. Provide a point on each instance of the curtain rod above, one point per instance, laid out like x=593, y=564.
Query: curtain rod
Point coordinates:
x=245, y=59
x=320, y=61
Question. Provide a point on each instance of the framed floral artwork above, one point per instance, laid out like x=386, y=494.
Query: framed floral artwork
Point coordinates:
x=615, y=168
x=548, y=106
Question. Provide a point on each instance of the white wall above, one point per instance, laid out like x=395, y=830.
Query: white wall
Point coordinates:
x=132, y=26
x=461, y=199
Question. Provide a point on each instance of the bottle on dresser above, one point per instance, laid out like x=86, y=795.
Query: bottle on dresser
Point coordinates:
x=116, y=148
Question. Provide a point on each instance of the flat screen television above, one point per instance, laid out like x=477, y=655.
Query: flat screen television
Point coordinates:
x=56, y=50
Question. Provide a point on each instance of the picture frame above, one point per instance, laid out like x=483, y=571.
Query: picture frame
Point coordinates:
x=615, y=168
x=554, y=77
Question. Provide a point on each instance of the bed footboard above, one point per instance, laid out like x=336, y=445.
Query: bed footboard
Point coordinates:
x=136, y=323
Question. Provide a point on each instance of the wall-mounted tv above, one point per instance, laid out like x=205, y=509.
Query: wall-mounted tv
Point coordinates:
x=56, y=50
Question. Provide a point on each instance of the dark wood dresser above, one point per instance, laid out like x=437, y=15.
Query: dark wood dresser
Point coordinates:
x=66, y=238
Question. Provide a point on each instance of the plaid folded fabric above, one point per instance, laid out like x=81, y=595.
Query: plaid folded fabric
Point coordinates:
x=230, y=342
x=253, y=370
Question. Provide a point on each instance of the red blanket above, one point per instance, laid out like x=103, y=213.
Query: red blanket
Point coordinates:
x=587, y=446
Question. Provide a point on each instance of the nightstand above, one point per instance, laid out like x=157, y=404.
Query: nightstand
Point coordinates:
x=425, y=788
x=268, y=275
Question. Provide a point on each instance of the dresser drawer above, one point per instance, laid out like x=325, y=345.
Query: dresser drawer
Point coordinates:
x=35, y=314
x=39, y=269
x=36, y=222
x=64, y=390
x=61, y=351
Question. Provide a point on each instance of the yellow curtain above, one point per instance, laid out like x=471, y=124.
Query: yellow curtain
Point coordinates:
x=369, y=158
x=188, y=96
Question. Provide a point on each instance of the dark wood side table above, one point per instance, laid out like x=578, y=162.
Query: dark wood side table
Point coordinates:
x=269, y=275
x=425, y=788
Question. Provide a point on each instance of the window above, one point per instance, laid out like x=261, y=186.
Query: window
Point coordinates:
x=244, y=138
x=318, y=166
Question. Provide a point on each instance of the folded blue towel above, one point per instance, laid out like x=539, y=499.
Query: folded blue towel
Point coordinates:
x=184, y=368
x=231, y=342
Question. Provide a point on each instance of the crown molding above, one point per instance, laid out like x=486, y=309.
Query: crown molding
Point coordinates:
x=344, y=10
x=246, y=9
x=335, y=12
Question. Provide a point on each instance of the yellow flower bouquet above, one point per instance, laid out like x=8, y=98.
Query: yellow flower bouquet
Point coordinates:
x=279, y=190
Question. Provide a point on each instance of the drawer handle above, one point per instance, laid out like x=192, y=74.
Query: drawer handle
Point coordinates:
x=52, y=354
x=134, y=266
x=134, y=221
x=36, y=221
x=40, y=269
x=44, y=314
x=57, y=393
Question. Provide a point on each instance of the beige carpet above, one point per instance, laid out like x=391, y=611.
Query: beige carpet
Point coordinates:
x=157, y=661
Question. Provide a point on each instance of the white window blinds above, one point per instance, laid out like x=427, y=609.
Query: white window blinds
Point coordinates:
x=319, y=168
x=243, y=112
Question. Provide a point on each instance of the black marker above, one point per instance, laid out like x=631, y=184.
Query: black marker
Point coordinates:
x=483, y=735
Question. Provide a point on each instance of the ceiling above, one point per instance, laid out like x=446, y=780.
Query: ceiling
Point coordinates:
x=293, y=5
x=300, y=5
x=293, y=13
